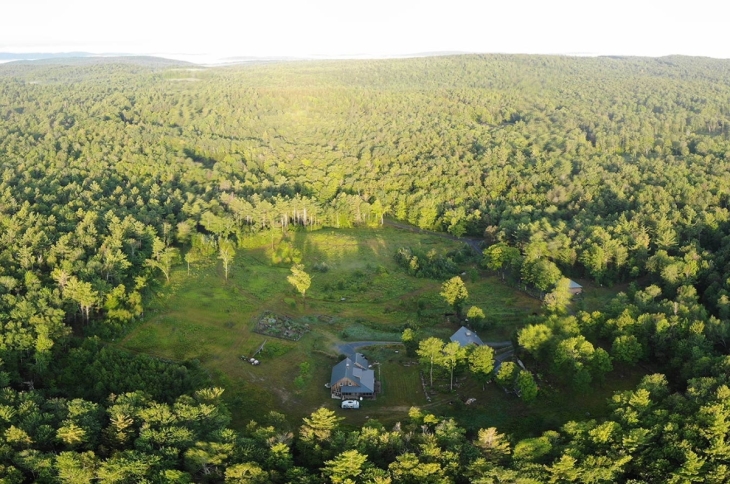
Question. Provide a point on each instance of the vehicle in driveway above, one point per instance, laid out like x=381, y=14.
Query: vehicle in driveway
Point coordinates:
x=350, y=404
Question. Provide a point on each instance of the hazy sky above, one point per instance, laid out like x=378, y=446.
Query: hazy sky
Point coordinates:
x=217, y=28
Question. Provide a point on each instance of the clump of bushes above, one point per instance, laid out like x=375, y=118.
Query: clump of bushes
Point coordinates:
x=429, y=264
x=321, y=267
x=305, y=374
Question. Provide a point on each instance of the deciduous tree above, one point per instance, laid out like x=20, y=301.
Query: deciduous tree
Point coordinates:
x=535, y=339
x=163, y=257
x=481, y=363
x=506, y=375
x=346, y=467
x=558, y=299
x=494, y=446
x=300, y=280
x=527, y=386
x=455, y=294
x=226, y=253
x=430, y=350
x=453, y=355
x=626, y=348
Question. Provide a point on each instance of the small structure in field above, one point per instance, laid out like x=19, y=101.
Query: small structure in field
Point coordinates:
x=465, y=337
x=251, y=360
x=575, y=288
x=280, y=326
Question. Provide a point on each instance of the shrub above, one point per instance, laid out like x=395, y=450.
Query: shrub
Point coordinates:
x=429, y=265
x=473, y=274
x=506, y=375
x=299, y=383
x=321, y=267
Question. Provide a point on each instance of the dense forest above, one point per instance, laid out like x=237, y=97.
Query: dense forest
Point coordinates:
x=615, y=170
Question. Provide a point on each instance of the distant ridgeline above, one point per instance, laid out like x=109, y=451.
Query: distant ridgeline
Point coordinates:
x=614, y=169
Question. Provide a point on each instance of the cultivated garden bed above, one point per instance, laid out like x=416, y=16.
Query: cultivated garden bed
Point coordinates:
x=280, y=326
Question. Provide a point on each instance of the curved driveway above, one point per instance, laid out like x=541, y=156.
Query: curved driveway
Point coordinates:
x=351, y=348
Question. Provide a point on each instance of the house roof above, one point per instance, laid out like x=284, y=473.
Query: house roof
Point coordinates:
x=575, y=285
x=466, y=337
x=360, y=361
x=356, y=370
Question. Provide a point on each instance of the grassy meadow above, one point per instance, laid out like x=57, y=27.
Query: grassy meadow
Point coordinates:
x=358, y=293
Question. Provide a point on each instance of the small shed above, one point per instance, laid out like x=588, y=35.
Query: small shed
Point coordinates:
x=465, y=337
x=575, y=288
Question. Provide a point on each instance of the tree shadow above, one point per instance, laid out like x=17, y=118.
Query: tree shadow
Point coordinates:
x=199, y=158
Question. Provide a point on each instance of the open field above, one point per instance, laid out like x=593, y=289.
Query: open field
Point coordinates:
x=202, y=316
x=595, y=297
x=361, y=294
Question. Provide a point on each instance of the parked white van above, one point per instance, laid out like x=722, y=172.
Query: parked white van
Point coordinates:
x=350, y=404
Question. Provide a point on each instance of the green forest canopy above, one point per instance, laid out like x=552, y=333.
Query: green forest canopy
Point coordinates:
x=615, y=169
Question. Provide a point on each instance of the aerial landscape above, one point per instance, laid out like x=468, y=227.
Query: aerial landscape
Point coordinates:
x=435, y=265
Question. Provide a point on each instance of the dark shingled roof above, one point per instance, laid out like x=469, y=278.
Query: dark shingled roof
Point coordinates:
x=466, y=337
x=356, y=370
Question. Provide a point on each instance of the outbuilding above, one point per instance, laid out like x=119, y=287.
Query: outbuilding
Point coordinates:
x=465, y=337
x=575, y=288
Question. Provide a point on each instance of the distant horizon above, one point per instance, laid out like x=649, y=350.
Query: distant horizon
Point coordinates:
x=378, y=29
x=211, y=59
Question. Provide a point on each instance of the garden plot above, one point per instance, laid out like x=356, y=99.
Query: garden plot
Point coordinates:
x=279, y=326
